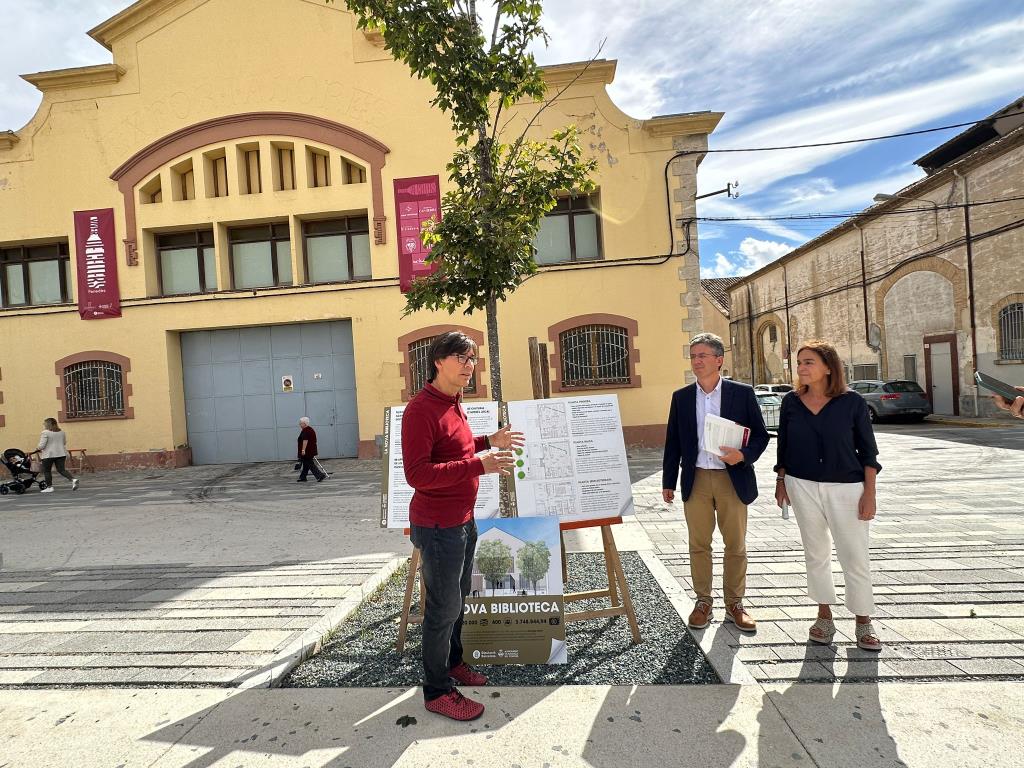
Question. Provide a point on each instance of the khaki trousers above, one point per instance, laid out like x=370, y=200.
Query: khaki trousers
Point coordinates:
x=713, y=493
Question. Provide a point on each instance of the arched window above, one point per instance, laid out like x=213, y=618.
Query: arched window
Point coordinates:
x=93, y=386
x=415, y=366
x=1011, y=332
x=594, y=356
x=92, y=389
x=419, y=367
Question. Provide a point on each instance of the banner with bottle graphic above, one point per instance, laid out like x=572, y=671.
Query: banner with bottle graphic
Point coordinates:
x=418, y=200
x=96, y=264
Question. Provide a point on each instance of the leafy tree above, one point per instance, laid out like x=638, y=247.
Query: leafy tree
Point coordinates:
x=483, y=244
x=534, y=561
x=493, y=560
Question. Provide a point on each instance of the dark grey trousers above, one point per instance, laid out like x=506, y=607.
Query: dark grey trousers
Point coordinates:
x=49, y=464
x=447, y=571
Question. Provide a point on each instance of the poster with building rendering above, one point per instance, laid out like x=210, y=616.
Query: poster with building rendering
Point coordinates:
x=573, y=465
x=514, y=612
x=396, y=492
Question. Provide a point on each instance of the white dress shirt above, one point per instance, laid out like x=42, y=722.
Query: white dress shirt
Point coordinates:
x=708, y=402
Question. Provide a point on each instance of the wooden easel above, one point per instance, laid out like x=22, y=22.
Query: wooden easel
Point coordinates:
x=617, y=591
x=407, y=616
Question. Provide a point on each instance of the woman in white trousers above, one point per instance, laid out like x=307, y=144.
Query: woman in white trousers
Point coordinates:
x=827, y=463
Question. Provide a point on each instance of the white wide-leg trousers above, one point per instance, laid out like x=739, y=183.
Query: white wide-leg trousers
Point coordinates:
x=826, y=512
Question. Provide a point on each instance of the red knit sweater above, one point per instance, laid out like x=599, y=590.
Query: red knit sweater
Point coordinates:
x=438, y=453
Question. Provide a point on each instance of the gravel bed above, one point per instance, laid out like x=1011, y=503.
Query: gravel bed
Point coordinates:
x=361, y=652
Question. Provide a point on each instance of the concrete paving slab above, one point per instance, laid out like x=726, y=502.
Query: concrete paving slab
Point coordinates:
x=847, y=724
x=357, y=727
x=855, y=725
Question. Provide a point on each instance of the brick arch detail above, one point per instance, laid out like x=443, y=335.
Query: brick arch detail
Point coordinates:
x=999, y=306
x=956, y=277
x=85, y=357
x=405, y=367
x=555, y=358
x=232, y=127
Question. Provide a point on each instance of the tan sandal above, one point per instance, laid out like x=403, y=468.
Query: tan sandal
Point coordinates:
x=826, y=631
x=867, y=640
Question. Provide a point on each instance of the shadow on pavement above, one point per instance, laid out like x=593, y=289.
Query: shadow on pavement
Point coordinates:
x=839, y=724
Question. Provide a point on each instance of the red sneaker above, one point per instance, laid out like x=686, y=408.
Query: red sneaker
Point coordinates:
x=456, y=706
x=465, y=675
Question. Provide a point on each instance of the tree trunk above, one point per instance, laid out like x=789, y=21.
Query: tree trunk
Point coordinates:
x=493, y=349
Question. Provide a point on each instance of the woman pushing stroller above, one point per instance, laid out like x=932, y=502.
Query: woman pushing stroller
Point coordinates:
x=53, y=450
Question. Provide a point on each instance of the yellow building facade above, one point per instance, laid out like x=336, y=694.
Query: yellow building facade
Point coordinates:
x=258, y=233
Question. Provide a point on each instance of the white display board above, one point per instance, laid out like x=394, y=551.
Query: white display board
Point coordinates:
x=396, y=493
x=573, y=465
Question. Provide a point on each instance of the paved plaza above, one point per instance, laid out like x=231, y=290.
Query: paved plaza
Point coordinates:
x=947, y=552
x=199, y=576
x=144, y=616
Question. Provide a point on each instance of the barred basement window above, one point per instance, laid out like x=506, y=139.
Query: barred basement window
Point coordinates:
x=594, y=355
x=93, y=389
x=1011, y=332
x=419, y=365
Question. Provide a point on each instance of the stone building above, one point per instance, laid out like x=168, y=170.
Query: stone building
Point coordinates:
x=927, y=284
x=196, y=250
x=714, y=305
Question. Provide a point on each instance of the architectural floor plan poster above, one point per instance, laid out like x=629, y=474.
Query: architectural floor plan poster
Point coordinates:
x=396, y=492
x=573, y=465
x=514, y=612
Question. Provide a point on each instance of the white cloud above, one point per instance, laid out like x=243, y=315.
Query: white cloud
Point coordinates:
x=807, y=191
x=751, y=256
x=720, y=206
x=41, y=36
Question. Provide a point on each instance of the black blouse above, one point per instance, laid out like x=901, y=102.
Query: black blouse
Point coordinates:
x=833, y=446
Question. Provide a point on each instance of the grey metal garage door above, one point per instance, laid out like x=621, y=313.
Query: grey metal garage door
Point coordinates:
x=235, y=402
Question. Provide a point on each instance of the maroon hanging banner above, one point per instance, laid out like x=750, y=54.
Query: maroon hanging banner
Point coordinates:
x=96, y=262
x=418, y=200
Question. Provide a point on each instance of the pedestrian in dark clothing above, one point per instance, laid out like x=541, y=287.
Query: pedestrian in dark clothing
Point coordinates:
x=439, y=454
x=307, y=452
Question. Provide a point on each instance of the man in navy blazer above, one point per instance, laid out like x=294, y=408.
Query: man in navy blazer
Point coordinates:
x=714, y=485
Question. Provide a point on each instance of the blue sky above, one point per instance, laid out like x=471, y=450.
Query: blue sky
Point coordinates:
x=525, y=528
x=782, y=72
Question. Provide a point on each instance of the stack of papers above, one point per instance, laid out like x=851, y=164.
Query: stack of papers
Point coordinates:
x=722, y=432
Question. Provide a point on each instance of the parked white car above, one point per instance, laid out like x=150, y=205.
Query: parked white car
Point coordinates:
x=780, y=388
x=770, y=404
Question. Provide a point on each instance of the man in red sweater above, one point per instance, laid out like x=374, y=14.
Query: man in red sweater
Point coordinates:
x=438, y=451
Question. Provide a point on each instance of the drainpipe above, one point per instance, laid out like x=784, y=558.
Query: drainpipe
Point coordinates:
x=750, y=333
x=864, y=286
x=970, y=281
x=789, y=338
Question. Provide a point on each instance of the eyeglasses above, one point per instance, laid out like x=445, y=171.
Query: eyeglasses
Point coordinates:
x=702, y=356
x=463, y=359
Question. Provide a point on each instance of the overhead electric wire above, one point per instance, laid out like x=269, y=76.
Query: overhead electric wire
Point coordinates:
x=878, y=276
x=851, y=214
x=686, y=152
x=840, y=142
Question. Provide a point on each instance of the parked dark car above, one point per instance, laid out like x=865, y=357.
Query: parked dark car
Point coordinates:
x=898, y=398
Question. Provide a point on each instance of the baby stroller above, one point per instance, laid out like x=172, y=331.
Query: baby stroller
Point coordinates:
x=20, y=467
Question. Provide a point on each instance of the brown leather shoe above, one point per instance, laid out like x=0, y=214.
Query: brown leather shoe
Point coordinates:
x=744, y=621
x=701, y=615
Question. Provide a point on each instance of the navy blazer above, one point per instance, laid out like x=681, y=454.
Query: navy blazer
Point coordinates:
x=738, y=404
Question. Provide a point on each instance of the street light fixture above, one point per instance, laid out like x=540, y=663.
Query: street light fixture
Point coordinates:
x=882, y=197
